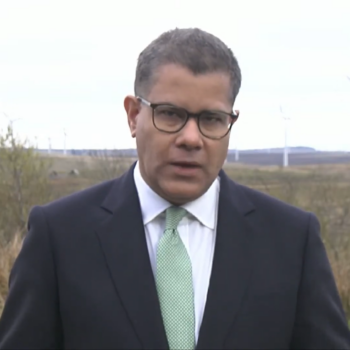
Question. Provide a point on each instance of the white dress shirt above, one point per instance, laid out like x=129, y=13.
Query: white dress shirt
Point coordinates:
x=197, y=231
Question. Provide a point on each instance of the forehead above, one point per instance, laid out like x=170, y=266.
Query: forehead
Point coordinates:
x=178, y=85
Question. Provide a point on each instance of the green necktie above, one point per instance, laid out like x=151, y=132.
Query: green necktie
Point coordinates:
x=174, y=284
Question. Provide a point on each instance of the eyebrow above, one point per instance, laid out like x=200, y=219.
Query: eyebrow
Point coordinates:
x=201, y=111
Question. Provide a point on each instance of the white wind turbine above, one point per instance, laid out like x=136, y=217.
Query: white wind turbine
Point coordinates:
x=237, y=148
x=11, y=121
x=64, y=142
x=286, y=151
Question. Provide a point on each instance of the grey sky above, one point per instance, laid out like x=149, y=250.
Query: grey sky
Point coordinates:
x=69, y=64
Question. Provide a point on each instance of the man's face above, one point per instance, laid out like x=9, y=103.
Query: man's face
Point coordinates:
x=161, y=154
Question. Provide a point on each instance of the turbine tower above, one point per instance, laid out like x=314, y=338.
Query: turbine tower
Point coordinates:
x=237, y=148
x=285, y=152
x=64, y=142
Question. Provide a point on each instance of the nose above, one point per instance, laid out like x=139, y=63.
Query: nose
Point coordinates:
x=190, y=136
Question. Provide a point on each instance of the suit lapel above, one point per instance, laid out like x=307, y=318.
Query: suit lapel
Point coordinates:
x=123, y=242
x=124, y=245
x=232, y=266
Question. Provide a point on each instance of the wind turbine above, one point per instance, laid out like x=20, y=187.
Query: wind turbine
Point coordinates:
x=11, y=121
x=237, y=148
x=285, y=152
x=65, y=141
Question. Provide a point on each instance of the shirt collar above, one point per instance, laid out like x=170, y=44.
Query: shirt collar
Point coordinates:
x=203, y=208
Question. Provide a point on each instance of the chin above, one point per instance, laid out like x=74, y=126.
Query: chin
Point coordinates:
x=181, y=193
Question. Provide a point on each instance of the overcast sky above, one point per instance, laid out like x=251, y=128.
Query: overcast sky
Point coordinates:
x=69, y=64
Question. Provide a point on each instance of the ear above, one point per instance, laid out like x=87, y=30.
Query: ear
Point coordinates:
x=237, y=114
x=132, y=108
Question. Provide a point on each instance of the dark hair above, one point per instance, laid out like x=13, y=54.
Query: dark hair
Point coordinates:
x=192, y=48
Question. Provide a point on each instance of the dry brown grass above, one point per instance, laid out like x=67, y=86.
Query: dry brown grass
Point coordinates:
x=8, y=254
x=341, y=269
x=323, y=189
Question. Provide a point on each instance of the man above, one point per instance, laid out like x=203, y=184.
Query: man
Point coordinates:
x=174, y=254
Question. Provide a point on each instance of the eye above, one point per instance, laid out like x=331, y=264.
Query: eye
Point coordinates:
x=213, y=118
x=168, y=112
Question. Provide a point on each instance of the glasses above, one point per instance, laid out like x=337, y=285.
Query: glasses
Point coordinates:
x=171, y=119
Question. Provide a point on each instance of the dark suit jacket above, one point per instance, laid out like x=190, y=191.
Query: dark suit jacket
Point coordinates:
x=83, y=278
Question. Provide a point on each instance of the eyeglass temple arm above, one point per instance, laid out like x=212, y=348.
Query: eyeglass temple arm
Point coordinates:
x=236, y=111
x=144, y=101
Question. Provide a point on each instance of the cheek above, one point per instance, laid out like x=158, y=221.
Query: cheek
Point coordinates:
x=143, y=132
x=217, y=151
x=150, y=143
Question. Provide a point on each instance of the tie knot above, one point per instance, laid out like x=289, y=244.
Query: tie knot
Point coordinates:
x=173, y=217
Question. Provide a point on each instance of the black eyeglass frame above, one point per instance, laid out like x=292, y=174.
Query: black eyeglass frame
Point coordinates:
x=197, y=116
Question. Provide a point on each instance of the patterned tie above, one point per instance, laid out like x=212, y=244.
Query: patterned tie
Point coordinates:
x=174, y=284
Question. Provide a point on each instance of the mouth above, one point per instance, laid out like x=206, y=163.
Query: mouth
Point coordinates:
x=186, y=164
x=186, y=168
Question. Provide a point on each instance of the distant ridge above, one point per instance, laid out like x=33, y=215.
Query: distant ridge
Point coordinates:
x=261, y=157
x=298, y=149
x=131, y=152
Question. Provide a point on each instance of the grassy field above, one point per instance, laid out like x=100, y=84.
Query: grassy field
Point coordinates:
x=321, y=188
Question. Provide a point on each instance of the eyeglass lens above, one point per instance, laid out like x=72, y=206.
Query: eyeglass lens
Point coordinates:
x=172, y=119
